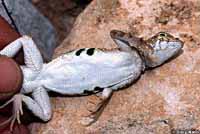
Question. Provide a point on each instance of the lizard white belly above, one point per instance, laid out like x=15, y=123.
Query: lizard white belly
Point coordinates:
x=71, y=74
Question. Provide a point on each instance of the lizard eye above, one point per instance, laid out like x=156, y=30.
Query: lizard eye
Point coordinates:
x=163, y=34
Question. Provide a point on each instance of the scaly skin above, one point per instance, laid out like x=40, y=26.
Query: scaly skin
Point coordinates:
x=155, y=50
x=87, y=70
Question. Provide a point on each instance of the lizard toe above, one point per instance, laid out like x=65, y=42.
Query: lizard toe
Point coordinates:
x=87, y=121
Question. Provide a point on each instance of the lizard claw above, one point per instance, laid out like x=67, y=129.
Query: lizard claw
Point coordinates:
x=17, y=110
x=87, y=121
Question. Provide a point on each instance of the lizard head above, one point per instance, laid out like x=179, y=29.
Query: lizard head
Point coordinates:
x=164, y=47
x=154, y=51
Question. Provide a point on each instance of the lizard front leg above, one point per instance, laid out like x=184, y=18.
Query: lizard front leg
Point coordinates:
x=32, y=56
x=39, y=105
x=97, y=106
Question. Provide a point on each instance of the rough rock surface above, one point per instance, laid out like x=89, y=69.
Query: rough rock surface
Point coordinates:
x=31, y=22
x=163, y=99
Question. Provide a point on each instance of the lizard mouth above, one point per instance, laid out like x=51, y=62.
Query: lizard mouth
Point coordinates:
x=116, y=33
x=120, y=36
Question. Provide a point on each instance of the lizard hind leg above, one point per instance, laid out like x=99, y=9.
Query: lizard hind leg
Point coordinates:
x=97, y=107
x=17, y=110
x=39, y=105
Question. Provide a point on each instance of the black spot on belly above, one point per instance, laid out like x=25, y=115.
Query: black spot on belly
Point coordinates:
x=87, y=92
x=90, y=51
x=95, y=90
x=98, y=89
x=79, y=51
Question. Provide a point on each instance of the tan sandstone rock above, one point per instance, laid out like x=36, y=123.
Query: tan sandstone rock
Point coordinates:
x=163, y=99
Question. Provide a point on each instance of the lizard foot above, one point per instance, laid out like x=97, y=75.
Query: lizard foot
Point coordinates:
x=17, y=110
x=96, y=108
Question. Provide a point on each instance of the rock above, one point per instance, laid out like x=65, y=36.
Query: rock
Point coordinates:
x=163, y=99
x=31, y=22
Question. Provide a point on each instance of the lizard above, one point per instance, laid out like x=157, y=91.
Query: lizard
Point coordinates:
x=86, y=70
